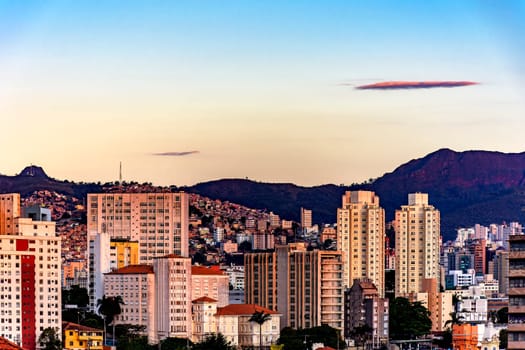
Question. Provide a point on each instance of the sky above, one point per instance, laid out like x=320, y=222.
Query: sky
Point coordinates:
x=183, y=92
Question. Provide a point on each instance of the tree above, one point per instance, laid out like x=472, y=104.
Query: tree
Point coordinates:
x=455, y=318
x=215, y=341
x=304, y=338
x=110, y=307
x=503, y=315
x=408, y=320
x=175, y=344
x=49, y=339
x=260, y=317
x=361, y=334
x=503, y=339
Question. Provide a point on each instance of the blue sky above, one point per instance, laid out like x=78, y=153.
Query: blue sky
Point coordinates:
x=261, y=89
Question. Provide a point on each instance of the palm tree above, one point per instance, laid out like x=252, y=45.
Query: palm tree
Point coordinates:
x=110, y=307
x=455, y=318
x=260, y=317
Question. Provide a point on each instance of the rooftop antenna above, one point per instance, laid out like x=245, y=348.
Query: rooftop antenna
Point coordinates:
x=120, y=173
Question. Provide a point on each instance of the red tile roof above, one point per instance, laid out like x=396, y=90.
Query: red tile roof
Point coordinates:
x=170, y=256
x=205, y=270
x=73, y=326
x=7, y=345
x=132, y=269
x=243, y=309
x=204, y=300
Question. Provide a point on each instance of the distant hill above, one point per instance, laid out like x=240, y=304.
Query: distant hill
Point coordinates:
x=34, y=178
x=467, y=187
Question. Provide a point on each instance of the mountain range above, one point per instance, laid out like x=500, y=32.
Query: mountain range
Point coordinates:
x=467, y=187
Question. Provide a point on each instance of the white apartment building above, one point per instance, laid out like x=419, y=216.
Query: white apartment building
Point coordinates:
x=173, y=302
x=136, y=285
x=30, y=275
x=158, y=221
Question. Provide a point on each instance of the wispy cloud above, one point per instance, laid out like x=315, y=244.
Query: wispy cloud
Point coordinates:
x=397, y=85
x=175, y=154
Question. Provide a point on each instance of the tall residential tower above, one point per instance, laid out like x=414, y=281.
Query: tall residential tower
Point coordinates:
x=417, y=227
x=361, y=238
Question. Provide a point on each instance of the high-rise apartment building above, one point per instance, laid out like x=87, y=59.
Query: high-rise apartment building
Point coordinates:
x=417, y=227
x=173, y=297
x=361, y=238
x=135, y=284
x=30, y=275
x=315, y=290
x=306, y=219
x=501, y=270
x=158, y=221
x=260, y=279
x=304, y=286
x=516, y=325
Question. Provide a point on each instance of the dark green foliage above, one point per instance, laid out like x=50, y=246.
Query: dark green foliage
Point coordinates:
x=408, y=320
x=503, y=315
x=110, y=307
x=175, y=344
x=444, y=340
x=245, y=246
x=302, y=339
x=50, y=339
x=503, y=339
x=214, y=342
x=75, y=296
x=361, y=334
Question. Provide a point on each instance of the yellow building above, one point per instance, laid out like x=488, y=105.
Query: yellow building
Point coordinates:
x=77, y=337
x=123, y=252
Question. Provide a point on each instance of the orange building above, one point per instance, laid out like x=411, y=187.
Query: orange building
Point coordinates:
x=465, y=337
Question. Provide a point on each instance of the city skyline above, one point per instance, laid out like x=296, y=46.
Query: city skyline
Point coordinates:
x=187, y=92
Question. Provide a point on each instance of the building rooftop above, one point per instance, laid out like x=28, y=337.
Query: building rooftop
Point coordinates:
x=132, y=269
x=73, y=326
x=7, y=345
x=243, y=309
x=204, y=300
x=205, y=270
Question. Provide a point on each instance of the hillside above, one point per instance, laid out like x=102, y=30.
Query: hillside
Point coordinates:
x=467, y=187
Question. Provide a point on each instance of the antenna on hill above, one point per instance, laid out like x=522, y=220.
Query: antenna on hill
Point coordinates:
x=120, y=173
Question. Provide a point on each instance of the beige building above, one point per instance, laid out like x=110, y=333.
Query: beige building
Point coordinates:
x=210, y=282
x=9, y=210
x=438, y=303
x=306, y=219
x=314, y=292
x=260, y=279
x=233, y=321
x=417, y=227
x=158, y=221
x=136, y=285
x=173, y=301
x=204, y=319
x=361, y=238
